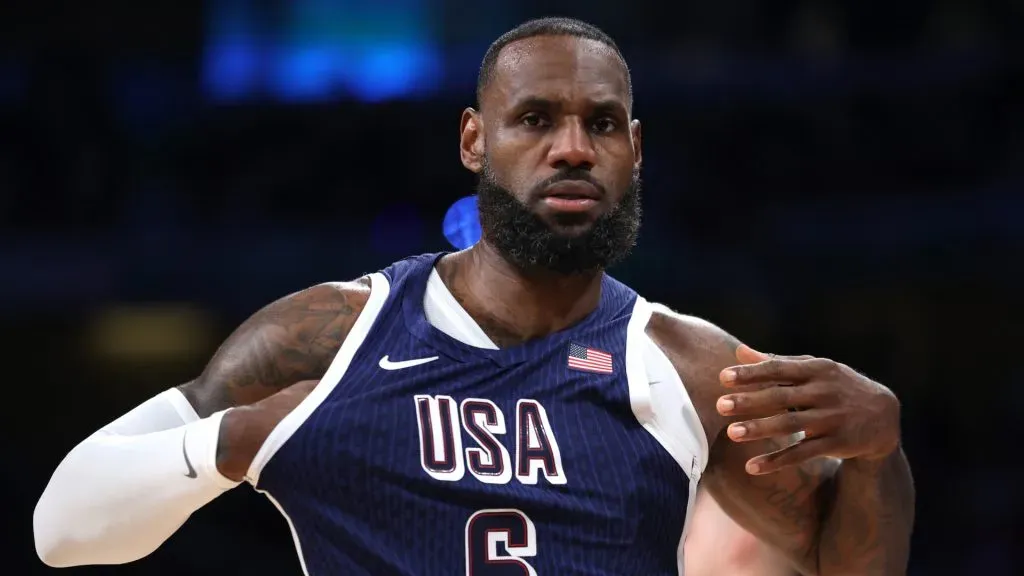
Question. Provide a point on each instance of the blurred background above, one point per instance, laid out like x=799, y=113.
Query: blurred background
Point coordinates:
x=822, y=177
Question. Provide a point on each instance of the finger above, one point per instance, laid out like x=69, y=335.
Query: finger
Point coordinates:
x=793, y=455
x=767, y=401
x=755, y=386
x=747, y=355
x=811, y=422
x=774, y=369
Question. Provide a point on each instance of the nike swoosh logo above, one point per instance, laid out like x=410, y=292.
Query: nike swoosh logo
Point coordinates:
x=389, y=365
x=191, y=471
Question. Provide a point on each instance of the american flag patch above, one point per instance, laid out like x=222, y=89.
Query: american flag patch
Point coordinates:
x=589, y=359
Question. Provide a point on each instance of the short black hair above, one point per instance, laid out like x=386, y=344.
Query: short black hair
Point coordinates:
x=551, y=26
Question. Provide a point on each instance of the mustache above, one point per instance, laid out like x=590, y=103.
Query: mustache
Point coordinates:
x=578, y=174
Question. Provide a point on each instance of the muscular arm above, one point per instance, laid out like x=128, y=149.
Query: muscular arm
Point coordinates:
x=828, y=517
x=125, y=489
x=288, y=341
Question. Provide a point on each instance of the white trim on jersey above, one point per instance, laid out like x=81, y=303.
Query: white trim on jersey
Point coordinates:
x=379, y=290
x=661, y=404
x=445, y=313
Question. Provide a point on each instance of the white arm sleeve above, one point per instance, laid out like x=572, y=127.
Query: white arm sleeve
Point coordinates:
x=118, y=495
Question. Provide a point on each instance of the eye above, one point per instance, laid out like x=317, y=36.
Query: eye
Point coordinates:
x=604, y=125
x=533, y=120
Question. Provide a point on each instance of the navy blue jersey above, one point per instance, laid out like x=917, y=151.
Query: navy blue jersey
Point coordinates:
x=419, y=454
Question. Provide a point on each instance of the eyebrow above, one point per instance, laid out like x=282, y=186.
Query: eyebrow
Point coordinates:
x=610, y=106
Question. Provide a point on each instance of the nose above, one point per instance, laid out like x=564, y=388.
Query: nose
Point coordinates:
x=572, y=145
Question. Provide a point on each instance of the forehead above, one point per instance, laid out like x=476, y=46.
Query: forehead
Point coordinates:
x=563, y=68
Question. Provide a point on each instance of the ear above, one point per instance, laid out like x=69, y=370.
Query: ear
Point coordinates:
x=637, y=137
x=471, y=141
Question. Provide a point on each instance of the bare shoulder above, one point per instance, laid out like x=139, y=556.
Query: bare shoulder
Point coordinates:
x=699, y=350
x=292, y=339
x=690, y=333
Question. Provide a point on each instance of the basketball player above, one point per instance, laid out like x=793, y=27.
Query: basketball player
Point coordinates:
x=510, y=408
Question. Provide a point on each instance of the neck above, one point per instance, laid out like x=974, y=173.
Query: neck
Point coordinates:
x=514, y=305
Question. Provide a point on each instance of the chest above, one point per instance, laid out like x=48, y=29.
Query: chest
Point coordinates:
x=559, y=423
x=410, y=440
x=430, y=418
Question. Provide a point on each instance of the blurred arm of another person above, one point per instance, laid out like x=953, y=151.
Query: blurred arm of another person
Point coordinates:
x=717, y=546
x=119, y=494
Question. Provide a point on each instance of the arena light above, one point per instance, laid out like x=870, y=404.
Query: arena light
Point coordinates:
x=153, y=332
x=462, y=223
x=318, y=50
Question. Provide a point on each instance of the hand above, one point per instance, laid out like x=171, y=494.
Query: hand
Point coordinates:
x=841, y=413
x=243, y=430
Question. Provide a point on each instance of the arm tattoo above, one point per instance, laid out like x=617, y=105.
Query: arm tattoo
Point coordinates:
x=783, y=508
x=868, y=518
x=829, y=517
x=290, y=340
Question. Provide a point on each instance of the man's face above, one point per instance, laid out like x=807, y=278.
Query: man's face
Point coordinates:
x=557, y=156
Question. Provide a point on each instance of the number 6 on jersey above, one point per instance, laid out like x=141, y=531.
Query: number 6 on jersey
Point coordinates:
x=497, y=540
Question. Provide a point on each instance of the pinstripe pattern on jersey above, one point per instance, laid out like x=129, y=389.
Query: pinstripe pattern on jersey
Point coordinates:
x=351, y=481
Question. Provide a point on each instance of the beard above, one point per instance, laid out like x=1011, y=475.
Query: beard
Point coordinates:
x=530, y=244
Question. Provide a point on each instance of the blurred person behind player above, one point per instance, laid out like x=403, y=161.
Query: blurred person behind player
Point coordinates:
x=717, y=546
